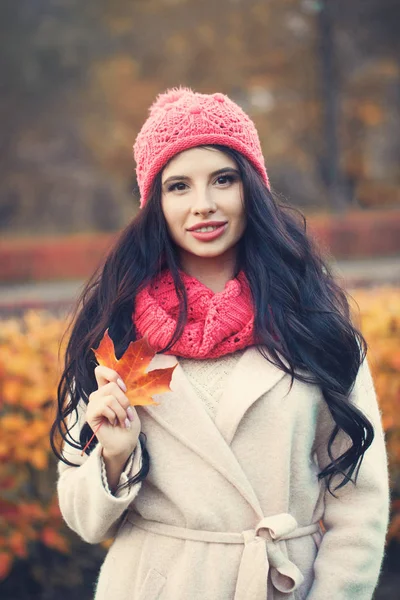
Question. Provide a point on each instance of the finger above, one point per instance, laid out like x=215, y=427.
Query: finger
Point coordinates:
x=113, y=403
x=106, y=395
x=110, y=415
x=93, y=395
x=113, y=389
x=106, y=415
x=104, y=375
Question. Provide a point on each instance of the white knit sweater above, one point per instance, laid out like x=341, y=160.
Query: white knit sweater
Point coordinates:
x=208, y=377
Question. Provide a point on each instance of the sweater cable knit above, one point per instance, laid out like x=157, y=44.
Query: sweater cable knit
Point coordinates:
x=208, y=378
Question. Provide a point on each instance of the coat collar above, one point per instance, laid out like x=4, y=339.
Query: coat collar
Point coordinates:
x=182, y=414
x=252, y=377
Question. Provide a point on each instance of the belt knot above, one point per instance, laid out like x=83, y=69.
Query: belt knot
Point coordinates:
x=261, y=546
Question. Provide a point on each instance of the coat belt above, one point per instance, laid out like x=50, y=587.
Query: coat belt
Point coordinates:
x=262, y=552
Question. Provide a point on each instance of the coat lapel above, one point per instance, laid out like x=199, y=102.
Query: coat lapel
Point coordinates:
x=182, y=414
x=252, y=377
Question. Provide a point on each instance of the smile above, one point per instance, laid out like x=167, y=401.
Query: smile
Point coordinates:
x=212, y=232
x=209, y=228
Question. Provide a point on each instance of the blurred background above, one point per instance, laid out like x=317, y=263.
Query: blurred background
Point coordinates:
x=321, y=80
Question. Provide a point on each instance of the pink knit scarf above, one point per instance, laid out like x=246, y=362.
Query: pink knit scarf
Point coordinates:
x=218, y=323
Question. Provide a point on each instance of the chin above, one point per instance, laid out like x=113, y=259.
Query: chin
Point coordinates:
x=208, y=252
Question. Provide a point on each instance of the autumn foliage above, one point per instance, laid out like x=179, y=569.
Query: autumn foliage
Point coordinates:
x=28, y=384
x=29, y=371
x=379, y=321
x=132, y=367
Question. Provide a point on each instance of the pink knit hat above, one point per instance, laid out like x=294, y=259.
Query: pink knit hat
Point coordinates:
x=180, y=119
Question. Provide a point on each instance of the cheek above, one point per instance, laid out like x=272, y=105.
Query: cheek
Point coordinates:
x=173, y=217
x=241, y=226
x=239, y=216
x=168, y=212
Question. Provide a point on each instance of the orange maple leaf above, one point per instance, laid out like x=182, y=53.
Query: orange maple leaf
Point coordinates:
x=131, y=367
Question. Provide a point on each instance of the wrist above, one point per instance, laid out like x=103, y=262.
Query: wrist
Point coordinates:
x=116, y=458
x=114, y=465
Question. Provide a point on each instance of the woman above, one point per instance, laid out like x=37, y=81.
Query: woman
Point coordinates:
x=263, y=473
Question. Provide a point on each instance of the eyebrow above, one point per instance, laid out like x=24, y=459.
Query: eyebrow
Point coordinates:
x=213, y=174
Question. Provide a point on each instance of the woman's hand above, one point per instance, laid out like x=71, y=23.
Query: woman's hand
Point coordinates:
x=109, y=405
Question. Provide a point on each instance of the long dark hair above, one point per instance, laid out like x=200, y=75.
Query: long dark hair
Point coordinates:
x=308, y=313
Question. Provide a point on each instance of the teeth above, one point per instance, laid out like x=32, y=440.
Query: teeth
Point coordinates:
x=205, y=229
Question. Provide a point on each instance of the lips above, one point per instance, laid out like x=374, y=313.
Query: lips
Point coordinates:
x=207, y=224
x=208, y=236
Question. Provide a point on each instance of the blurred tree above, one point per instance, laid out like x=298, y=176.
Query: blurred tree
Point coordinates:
x=330, y=159
x=76, y=81
x=369, y=53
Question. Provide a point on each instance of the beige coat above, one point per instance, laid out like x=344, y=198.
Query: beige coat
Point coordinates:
x=230, y=510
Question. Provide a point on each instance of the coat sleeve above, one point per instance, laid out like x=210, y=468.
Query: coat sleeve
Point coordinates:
x=86, y=503
x=350, y=556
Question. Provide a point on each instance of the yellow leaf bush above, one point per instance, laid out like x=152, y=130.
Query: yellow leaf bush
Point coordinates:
x=379, y=321
x=29, y=372
x=30, y=367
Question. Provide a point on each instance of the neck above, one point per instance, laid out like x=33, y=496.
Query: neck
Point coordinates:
x=213, y=272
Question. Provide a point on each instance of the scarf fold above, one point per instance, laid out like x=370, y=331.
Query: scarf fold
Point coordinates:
x=218, y=323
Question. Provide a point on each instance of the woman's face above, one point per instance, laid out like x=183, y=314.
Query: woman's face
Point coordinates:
x=202, y=188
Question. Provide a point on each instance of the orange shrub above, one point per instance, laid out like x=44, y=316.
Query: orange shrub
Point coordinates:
x=379, y=321
x=29, y=371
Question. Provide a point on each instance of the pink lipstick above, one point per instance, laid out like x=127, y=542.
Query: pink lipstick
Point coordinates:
x=208, y=236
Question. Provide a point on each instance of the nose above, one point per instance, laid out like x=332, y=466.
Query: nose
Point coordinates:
x=203, y=202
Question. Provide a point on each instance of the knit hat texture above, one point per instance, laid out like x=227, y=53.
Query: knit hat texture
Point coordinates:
x=180, y=119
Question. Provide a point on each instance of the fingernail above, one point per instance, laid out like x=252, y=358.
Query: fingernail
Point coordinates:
x=121, y=384
x=127, y=423
x=130, y=413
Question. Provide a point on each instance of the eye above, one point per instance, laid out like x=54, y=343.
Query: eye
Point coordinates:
x=174, y=186
x=226, y=179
